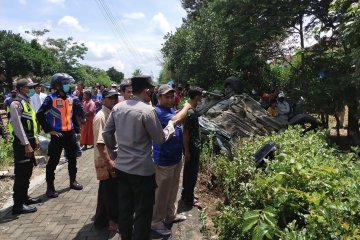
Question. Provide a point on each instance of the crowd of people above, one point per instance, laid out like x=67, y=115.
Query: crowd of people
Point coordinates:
x=141, y=140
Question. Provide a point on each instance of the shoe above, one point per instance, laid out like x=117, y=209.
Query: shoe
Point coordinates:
x=23, y=209
x=75, y=185
x=176, y=219
x=30, y=201
x=83, y=148
x=51, y=193
x=163, y=230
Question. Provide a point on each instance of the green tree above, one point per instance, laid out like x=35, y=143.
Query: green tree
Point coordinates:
x=90, y=75
x=263, y=42
x=67, y=51
x=22, y=57
x=137, y=72
x=115, y=75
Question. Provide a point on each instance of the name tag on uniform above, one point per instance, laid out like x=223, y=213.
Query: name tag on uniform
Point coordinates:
x=59, y=103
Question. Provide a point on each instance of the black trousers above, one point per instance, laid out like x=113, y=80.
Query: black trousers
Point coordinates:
x=107, y=203
x=190, y=175
x=23, y=170
x=136, y=195
x=56, y=145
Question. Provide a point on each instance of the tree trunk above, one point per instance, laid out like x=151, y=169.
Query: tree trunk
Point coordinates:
x=302, y=45
x=337, y=126
x=324, y=120
x=353, y=124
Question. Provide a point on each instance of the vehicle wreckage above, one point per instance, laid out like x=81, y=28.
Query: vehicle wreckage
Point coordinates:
x=234, y=115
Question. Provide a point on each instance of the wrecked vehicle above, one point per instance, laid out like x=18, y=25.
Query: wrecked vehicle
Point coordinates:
x=234, y=115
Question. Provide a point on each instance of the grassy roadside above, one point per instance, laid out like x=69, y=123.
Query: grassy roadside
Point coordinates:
x=6, y=154
x=308, y=191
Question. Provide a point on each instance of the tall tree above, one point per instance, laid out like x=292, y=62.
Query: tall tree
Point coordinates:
x=115, y=75
x=21, y=57
x=242, y=37
x=137, y=72
x=67, y=51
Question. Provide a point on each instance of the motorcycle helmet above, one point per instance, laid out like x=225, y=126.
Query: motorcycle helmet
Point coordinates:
x=60, y=79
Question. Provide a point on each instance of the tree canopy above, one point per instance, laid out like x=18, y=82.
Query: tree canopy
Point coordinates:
x=308, y=47
x=20, y=57
x=115, y=75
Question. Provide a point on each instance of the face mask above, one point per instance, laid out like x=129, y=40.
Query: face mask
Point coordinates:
x=31, y=92
x=66, y=88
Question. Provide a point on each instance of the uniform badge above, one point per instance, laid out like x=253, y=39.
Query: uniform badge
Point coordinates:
x=59, y=103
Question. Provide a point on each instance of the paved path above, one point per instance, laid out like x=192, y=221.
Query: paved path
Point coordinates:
x=70, y=215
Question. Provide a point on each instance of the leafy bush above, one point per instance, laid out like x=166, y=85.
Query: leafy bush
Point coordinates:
x=310, y=190
x=6, y=154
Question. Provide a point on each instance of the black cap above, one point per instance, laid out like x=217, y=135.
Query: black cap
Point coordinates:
x=109, y=92
x=164, y=89
x=139, y=83
x=25, y=82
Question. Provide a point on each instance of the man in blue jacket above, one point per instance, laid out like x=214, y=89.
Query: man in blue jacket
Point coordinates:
x=56, y=116
x=168, y=160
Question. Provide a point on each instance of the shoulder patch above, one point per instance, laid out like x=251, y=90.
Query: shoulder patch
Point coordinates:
x=59, y=103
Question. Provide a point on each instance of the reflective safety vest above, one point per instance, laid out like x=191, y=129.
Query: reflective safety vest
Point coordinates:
x=28, y=120
x=60, y=114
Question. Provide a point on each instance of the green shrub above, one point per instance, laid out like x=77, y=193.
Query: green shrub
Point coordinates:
x=309, y=191
x=6, y=154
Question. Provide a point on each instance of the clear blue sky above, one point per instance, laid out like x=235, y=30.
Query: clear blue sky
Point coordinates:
x=134, y=41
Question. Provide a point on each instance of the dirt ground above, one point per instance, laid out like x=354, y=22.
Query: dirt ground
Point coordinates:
x=209, y=198
x=7, y=182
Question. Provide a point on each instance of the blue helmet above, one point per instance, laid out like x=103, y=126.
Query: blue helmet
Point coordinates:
x=60, y=79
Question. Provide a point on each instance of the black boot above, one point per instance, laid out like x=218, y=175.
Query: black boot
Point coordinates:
x=75, y=185
x=23, y=208
x=30, y=201
x=50, y=191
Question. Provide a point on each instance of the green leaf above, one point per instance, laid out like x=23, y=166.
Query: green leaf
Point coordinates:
x=250, y=219
x=248, y=224
x=257, y=233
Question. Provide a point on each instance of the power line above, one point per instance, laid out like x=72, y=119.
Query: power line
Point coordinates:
x=121, y=27
x=111, y=20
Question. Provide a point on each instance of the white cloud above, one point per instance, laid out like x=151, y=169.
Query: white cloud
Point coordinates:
x=71, y=22
x=23, y=2
x=134, y=15
x=101, y=51
x=56, y=1
x=48, y=24
x=161, y=23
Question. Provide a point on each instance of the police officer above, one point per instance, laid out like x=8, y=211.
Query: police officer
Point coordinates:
x=22, y=131
x=57, y=118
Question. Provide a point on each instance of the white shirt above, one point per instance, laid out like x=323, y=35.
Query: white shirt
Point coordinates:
x=37, y=100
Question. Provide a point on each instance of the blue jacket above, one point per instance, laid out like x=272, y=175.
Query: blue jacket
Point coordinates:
x=170, y=152
x=56, y=114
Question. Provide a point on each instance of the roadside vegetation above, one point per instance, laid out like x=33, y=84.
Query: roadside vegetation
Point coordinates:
x=6, y=154
x=308, y=191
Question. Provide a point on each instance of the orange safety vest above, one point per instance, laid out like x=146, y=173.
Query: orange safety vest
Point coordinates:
x=59, y=116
